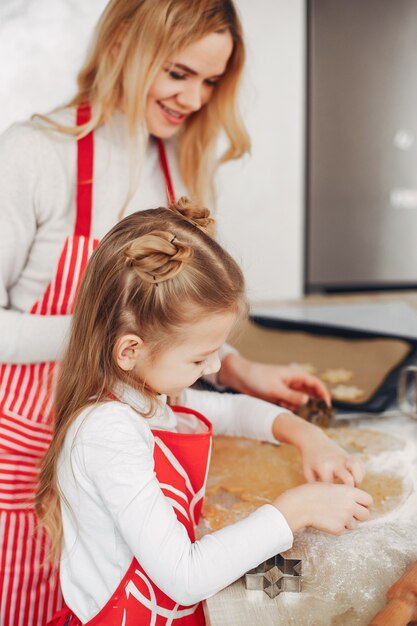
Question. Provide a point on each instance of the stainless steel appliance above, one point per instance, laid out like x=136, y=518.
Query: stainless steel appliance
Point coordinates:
x=362, y=147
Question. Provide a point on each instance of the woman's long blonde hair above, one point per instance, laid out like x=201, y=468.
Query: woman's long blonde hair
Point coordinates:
x=155, y=272
x=145, y=34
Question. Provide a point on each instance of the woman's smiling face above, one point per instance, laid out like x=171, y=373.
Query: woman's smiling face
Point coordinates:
x=186, y=82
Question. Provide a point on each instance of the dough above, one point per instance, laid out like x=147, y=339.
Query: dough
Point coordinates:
x=336, y=376
x=244, y=474
x=346, y=392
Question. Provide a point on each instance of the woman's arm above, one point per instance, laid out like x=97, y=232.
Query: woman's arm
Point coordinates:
x=24, y=338
x=28, y=338
x=289, y=386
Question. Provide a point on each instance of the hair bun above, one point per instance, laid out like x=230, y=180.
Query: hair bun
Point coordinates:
x=157, y=256
x=194, y=213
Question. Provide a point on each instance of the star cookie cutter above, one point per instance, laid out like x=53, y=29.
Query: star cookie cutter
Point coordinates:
x=275, y=575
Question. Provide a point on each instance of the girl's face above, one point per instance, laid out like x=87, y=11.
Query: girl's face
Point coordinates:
x=186, y=82
x=179, y=366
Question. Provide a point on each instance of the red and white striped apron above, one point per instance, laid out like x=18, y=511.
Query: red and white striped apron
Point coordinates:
x=181, y=466
x=29, y=590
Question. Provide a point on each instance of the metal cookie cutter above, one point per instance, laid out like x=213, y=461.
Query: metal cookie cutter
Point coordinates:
x=275, y=575
x=317, y=412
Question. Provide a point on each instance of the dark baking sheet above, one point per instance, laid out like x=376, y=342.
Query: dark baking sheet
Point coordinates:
x=386, y=391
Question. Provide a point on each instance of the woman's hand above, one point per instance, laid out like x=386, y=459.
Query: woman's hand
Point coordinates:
x=322, y=459
x=288, y=386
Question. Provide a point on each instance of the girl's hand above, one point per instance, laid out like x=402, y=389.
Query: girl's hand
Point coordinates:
x=322, y=459
x=288, y=386
x=329, y=508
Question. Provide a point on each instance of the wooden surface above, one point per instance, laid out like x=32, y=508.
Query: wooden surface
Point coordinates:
x=235, y=606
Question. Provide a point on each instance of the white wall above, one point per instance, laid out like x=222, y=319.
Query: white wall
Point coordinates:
x=42, y=45
x=261, y=200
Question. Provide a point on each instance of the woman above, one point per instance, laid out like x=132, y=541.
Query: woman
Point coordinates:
x=166, y=70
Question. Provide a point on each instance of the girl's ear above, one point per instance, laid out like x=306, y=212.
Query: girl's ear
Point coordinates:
x=127, y=350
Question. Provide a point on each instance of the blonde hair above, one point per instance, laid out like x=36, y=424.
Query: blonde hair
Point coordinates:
x=155, y=272
x=145, y=34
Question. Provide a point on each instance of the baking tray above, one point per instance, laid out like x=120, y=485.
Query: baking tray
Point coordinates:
x=383, y=391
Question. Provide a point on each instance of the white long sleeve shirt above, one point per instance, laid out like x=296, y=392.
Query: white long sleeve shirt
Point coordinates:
x=113, y=508
x=37, y=214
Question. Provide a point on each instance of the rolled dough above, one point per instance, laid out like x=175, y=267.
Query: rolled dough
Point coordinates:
x=244, y=474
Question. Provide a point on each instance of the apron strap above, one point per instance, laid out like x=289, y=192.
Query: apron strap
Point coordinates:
x=85, y=158
x=165, y=170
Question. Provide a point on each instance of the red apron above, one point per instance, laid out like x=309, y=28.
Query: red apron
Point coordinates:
x=29, y=590
x=181, y=466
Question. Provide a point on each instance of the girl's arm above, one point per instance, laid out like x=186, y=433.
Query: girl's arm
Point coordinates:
x=112, y=458
x=240, y=415
x=322, y=458
x=235, y=415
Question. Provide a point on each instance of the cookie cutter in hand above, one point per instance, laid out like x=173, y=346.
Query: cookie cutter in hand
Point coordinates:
x=275, y=575
x=317, y=412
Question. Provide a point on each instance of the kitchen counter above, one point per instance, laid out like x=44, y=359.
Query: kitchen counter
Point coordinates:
x=410, y=297
x=347, y=577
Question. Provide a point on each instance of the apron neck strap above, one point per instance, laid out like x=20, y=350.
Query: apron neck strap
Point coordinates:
x=85, y=159
x=165, y=170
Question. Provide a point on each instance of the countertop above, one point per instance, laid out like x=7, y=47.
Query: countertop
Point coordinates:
x=348, y=587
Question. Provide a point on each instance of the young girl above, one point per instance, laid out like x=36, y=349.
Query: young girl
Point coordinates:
x=123, y=481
